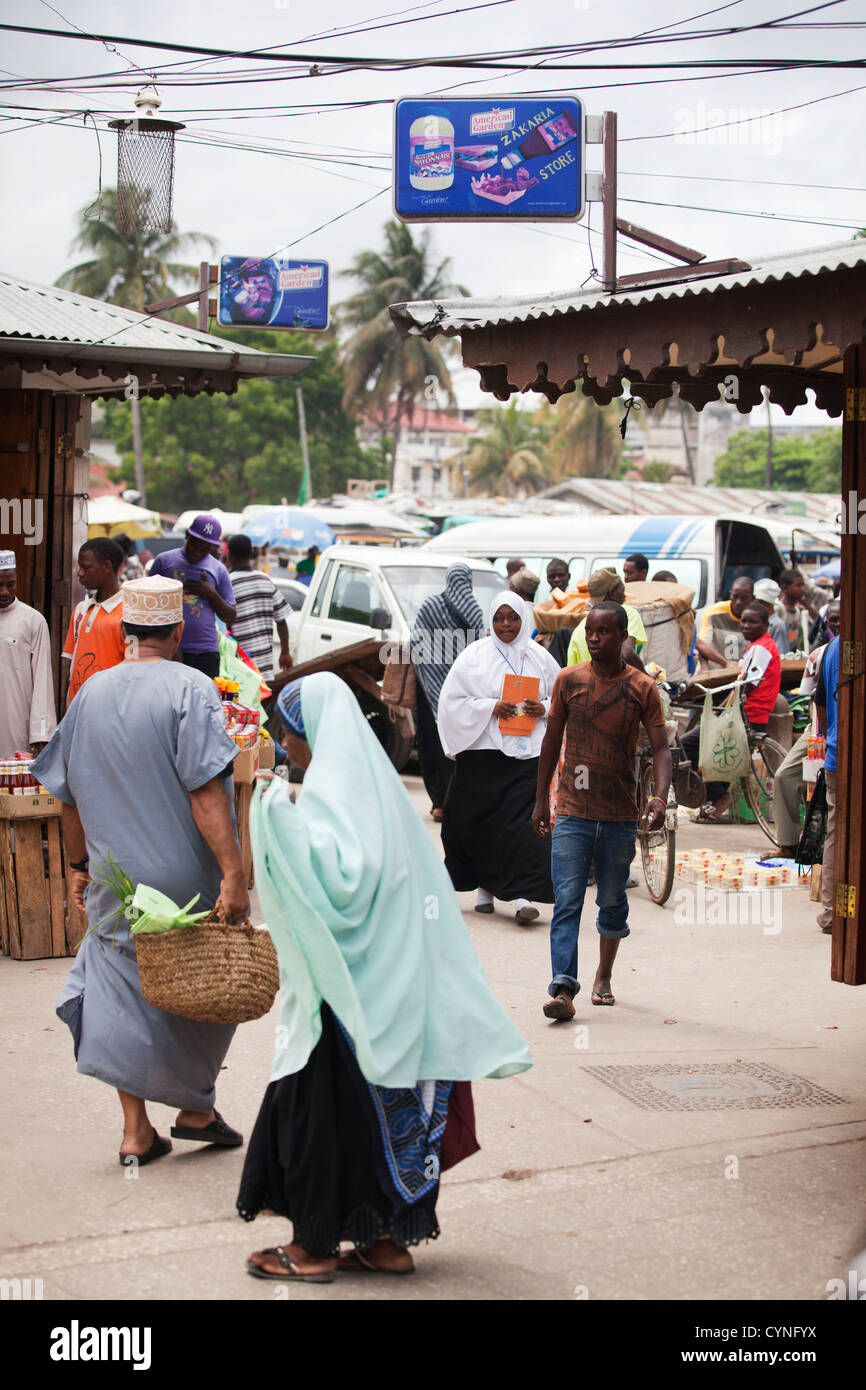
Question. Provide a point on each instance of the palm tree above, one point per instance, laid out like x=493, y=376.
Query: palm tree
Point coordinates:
x=128, y=268
x=509, y=459
x=586, y=440
x=385, y=374
x=132, y=270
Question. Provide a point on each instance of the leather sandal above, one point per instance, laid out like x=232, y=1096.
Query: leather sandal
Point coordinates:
x=217, y=1132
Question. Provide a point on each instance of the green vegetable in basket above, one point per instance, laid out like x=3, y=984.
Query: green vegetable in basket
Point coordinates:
x=153, y=912
x=112, y=876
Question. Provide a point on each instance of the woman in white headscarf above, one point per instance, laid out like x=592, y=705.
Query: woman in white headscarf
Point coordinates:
x=487, y=833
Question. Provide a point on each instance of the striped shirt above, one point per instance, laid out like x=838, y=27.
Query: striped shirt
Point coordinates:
x=259, y=605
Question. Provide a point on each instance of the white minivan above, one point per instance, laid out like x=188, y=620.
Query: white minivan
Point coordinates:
x=707, y=553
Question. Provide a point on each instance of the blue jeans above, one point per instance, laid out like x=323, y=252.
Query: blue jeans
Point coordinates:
x=577, y=844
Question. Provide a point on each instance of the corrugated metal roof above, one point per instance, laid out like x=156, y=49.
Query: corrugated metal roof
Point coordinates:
x=671, y=499
x=31, y=314
x=54, y=315
x=430, y=317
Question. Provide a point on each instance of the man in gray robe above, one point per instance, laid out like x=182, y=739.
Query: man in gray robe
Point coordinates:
x=27, y=714
x=143, y=764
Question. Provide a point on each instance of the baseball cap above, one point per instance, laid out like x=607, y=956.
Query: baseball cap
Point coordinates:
x=767, y=590
x=205, y=528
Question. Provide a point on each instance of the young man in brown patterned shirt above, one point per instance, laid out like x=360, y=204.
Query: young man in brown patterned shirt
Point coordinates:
x=599, y=705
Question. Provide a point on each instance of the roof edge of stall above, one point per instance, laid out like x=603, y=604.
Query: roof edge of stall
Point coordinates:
x=90, y=343
x=427, y=318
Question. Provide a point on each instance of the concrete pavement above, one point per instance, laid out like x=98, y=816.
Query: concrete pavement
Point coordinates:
x=703, y=1139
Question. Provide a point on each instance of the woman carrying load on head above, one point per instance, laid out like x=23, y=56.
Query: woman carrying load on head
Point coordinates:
x=385, y=1011
x=445, y=625
x=487, y=832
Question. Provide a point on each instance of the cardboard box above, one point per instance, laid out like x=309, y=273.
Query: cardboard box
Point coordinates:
x=37, y=807
x=245, y=764
x=267, y=756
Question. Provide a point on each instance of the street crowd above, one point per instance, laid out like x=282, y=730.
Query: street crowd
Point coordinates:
x=528, y=754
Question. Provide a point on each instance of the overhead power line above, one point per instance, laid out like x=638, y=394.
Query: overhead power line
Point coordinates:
x=356, y=62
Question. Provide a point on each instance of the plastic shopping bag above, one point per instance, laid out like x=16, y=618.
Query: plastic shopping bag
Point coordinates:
x=724, y=746
x=810, y=850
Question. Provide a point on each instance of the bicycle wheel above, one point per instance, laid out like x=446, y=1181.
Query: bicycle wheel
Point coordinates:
x=657, y=847
x=767, y=758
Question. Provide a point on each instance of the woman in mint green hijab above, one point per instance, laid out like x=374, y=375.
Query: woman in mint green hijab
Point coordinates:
x=385, y=1011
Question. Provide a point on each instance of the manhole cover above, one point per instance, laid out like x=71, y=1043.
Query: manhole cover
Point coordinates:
x=712, y=1086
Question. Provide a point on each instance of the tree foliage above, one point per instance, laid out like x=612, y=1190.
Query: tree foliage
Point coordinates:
x=228, y=451
x=585, y=440
x=508, y=458
x=130, y=268
x=810, y=463
x=385, y=374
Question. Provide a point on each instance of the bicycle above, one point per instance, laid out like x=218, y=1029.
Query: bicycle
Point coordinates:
x=657, y=847
x=766, y=757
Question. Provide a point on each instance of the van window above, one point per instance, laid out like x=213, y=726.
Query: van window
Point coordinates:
x=355, y=596
x=746, y=549
x=688, y=570
x=538, y=564
x=412, y=584
x=318, y=601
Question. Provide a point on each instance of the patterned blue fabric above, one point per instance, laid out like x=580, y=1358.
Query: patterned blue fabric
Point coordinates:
x=289, y=707
x=411, y=1137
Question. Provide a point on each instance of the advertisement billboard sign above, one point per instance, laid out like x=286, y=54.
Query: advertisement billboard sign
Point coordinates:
x=271, y=292
x=473, y=159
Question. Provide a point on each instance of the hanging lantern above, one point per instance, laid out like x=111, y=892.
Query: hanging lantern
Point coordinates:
x=145, y=168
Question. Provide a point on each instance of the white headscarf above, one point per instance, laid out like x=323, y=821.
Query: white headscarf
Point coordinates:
x=474, y=685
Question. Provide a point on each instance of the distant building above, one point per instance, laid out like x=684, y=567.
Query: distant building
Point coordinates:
x=688, y=441
x=429, y=440
x=678, y=437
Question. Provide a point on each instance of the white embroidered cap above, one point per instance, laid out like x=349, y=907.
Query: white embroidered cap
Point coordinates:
x=7, y=560
x=153, y=601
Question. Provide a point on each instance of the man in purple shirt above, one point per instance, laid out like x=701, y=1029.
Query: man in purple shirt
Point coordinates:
x=207, y=593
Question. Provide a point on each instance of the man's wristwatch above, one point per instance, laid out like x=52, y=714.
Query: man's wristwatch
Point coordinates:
x=81, y=867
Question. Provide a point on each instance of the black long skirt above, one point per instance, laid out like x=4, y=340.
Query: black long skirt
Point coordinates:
x=487, y=829
x=315, y=1156
x=437, y=769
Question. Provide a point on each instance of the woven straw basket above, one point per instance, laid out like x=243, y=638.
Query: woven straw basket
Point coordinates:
x=213, y=972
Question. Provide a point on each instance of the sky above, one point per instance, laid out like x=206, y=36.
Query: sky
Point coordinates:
x=799, y=159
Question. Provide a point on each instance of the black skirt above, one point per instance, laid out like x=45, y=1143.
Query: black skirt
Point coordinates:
x=316, y=1157
x=487, y=829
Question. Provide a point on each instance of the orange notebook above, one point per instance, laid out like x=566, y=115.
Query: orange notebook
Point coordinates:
x=516, y=689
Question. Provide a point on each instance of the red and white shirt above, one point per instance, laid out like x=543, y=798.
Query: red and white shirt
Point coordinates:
x=761, y=669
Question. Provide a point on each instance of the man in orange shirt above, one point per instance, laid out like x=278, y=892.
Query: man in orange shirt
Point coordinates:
x=95, y=640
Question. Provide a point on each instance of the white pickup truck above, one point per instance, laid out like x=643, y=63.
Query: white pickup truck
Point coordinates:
x=359, y=592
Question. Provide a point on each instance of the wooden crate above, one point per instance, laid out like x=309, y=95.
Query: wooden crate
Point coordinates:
x=37, y=915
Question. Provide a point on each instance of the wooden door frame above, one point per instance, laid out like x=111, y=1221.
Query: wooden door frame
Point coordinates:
x=848, y=953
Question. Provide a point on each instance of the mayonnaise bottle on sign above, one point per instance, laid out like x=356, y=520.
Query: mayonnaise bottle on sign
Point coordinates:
x=431, y=153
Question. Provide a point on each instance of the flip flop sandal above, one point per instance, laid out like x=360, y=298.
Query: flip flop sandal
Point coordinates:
x=354, y=1262
x=290, y=1269
x=158, y=1149
x=602, y=998
x=217, y=1132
